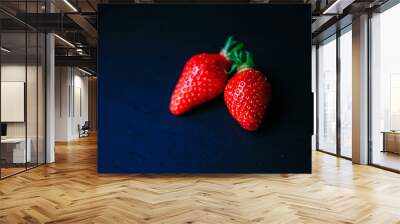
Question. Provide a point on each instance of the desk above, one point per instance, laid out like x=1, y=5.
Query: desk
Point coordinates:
x=13, y=150
x=391, y=141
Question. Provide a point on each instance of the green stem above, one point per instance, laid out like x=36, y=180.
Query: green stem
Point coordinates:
x=233, y=51
x=229, y=43
x=230, y=48
x=245, y=61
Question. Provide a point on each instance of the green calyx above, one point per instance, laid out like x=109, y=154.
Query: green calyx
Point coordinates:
x=231, y=49
x=245, y=61
x=241, y=60
x=229, y=45
x=234, y=52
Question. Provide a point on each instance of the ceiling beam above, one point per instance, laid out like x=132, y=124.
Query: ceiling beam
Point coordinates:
x=82, y=61
x=81, y=21
x=84, y=24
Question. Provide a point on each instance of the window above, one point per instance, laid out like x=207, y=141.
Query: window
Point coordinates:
x=346, y=93
x=385, y=88
x=334, y=106
x=22, y=78
x=327, y=96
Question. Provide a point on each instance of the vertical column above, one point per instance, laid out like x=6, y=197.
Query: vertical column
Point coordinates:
x=360, y=90
x=314, y=91
x=338, y=99
x=50, y=92
x=62, y=103
x=93, y=103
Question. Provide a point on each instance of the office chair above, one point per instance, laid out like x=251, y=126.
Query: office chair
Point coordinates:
x=84, y=130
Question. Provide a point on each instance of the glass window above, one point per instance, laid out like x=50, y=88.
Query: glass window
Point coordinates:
x=314, y=86
x=385, y=88
x=22, y=92
x=31, y=100
x=327, y=96
x=346, y=93
x=14, y=151
x=41, y=109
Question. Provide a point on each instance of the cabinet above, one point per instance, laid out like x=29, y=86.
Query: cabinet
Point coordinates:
x=13, y=150
x=391, y=142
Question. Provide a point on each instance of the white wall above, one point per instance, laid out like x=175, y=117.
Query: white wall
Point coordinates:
x=14, y=72
x=80, y=110
x=17, y=72
x=71, y=102
x=62, y=81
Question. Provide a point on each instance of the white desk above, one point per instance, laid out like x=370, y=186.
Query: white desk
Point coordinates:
x=19, y=153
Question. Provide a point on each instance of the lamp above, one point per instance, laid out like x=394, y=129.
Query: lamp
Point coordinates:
x=70, y=5
x=5, y=50
x=64, y=40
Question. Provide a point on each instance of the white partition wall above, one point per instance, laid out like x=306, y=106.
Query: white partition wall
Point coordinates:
x=71, y=102
x=12, y=98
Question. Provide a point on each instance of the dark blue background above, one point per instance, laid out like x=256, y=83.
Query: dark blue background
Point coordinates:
x=142, y=50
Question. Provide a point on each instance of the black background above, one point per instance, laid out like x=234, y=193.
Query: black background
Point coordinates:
x=142, y=50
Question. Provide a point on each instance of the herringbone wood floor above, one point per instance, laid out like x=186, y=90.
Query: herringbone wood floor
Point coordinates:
x=70, y=191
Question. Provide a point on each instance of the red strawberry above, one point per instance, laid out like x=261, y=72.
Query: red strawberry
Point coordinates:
x=247, y=95
x=203, y=78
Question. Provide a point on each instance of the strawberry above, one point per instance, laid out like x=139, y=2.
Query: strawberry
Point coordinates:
x=203, y=78
x=247, y=95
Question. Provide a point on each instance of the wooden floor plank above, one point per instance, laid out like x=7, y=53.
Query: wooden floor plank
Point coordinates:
x=70, y=191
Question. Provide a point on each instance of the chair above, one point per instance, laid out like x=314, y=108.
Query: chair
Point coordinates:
x=84, y=129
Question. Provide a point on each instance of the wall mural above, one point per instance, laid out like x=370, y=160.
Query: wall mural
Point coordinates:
x=205, y=76
x=173, y=98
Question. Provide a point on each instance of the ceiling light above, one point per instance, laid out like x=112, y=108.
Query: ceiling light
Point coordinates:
x=70, y=5
x=79, y=51
x=5, y=50
x=337, y=7
x=328, y=10
x=65, y=41
x=84, y=71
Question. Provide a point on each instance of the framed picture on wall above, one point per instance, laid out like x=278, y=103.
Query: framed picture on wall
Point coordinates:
x=145, y=126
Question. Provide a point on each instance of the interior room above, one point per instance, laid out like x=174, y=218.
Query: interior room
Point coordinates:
x=227, y=111
x=385, y=89
x=71, y=100
x=22, y=103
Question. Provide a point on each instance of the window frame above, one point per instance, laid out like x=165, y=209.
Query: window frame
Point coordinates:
x=334, y=37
